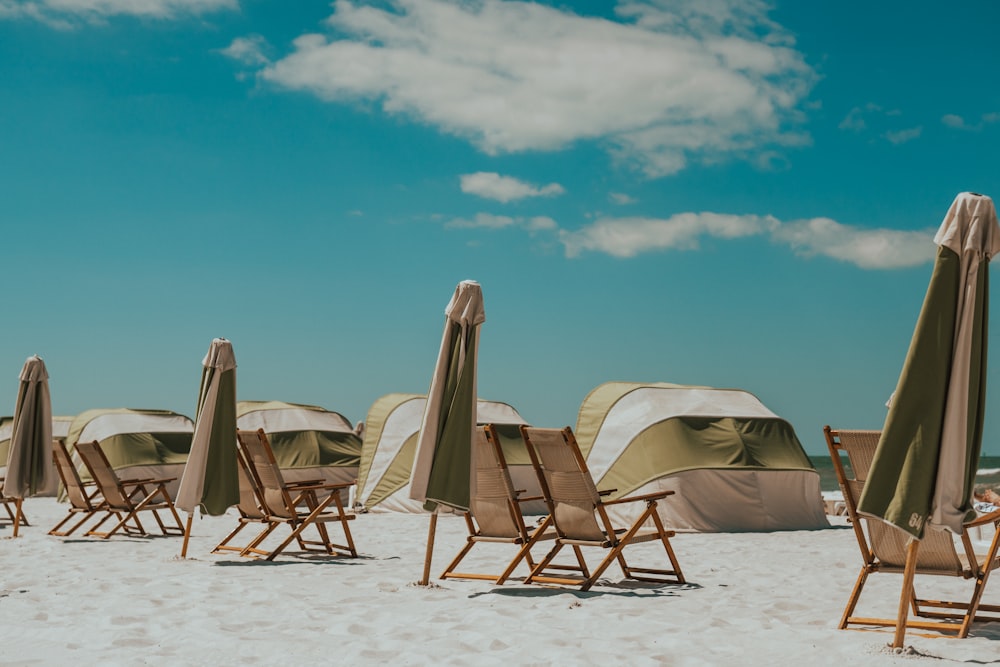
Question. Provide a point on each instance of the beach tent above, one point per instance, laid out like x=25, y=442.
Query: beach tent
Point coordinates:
x=60, y=429
x=734, y=464
x=138, y=443
x=390, y=441
x=309, y=442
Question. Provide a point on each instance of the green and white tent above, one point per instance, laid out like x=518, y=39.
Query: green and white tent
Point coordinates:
x=734, y=464
x=390, y=441
x=309, y=442
x=138, y=443
x=60, y=429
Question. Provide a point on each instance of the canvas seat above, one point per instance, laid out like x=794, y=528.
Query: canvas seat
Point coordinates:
x=128, y=497
x=883, y=549
x=281, y=502
x=83, y=502
x=579, y=514
x=495, y=513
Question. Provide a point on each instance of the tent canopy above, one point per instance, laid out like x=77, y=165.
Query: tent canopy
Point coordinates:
x=302, y=436
x=138, y=443
x=390, y=441
x=735, y=464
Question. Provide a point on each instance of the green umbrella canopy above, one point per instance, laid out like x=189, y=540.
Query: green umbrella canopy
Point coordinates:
x=443, y=460
x=924, y=467
x=210, y=479
x=30, y=455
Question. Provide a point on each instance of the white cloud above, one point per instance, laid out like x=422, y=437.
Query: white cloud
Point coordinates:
x=621, y=198
x=67, y=13
x=247, y=50
x=702, y=80
x=628, y=237
x=491, y=185
x=533, y=225
x=865, y=248
x=959, y=123
x=953, y=120
x=854, y=120
x=481, y=221
x=902, y=136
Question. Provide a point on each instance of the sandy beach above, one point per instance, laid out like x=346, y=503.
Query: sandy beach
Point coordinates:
x=752, y=598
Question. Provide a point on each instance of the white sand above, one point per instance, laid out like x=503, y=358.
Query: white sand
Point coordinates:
x=771, y=598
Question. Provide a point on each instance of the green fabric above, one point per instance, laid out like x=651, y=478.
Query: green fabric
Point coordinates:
x=32, y=413
x=512, y=444
x=448, y=481
x=81, y=420
x=397, y=474
x=901, y=481
x=222, y=489
x=308, y=449
x=375, y=421
x=598, y=404
x=683, y=443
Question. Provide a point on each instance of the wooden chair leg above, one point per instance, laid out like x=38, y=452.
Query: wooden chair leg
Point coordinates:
x=852, y=602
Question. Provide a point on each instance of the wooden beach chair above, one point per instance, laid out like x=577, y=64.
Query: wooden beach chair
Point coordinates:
x=883, y=549
x=580, y=517
x=128, y=497
x=282, y=502
x=13, y=508
x=83, y=502
x=495, y=512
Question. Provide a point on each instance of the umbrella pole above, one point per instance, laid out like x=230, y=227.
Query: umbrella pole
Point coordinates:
x=904, y=598
x=18, y=515
x=187, y=535
x=430, y=549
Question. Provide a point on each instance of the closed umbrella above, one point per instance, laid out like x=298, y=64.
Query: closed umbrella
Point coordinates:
x=442, y=465
x=924, y=469
x=210, y=480
x=30, y=457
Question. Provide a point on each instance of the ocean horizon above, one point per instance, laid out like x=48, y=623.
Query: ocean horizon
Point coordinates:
x=988, y=476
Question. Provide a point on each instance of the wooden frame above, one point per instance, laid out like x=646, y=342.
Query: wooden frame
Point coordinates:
x=16, y=514
x=81, y=501
x=495, y=515
x=128, y=497
x=281, y=502
x=886, y=549
x=580, y=516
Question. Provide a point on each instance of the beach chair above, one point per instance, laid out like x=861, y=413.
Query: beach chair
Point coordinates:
x=83, y=502
x=494, y=514
x=883, y=549
x=579, y=514
x=282, y=503
x=13, y=508
x=128, y=497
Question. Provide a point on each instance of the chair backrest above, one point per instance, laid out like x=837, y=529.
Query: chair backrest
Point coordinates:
x=70, y=477
x=251, y=504
x=261, y=461
x=103, y=474
x=937, y=549
x=494, y=504
x=566, y=482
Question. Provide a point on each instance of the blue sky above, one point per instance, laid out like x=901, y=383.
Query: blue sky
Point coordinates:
x=733, y=194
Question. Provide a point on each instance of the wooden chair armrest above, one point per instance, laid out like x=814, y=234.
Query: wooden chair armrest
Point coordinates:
x=306, y=482
x=992, y=517
x=527, y=498
x=649, y=496
x=606, y=492
x=321, y=487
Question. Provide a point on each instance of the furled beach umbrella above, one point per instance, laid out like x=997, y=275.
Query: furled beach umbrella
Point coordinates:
x=30, y=459
x=210, y=479
x=924, y=469
x=442, y=465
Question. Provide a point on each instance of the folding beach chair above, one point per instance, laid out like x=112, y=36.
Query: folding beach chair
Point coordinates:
x=129, y=497
x=495, y=512
x=580, y=518
x=281, y=502
x=883, y=548
x=13, y=508
x=81, y=502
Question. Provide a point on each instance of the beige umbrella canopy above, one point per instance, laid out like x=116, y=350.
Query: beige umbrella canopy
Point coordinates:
x=29, y=460
x=210, y=479
x=442, y=466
